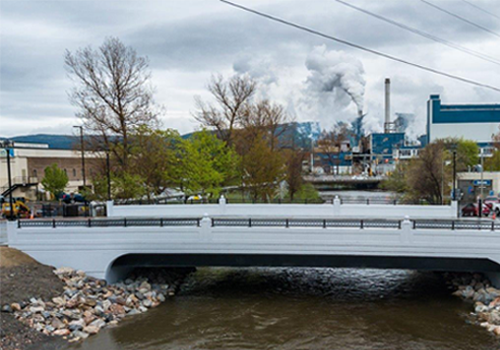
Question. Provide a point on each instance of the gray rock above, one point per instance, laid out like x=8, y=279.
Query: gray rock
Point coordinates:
x=6, y=308
x=98, y=323
x=80, y=334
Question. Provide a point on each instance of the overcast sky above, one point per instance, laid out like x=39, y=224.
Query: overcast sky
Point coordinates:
x=187, y=41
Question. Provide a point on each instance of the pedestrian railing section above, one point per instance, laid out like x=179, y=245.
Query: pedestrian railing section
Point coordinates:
x=347, y=200
x=125, y=222
x=455, y=225
x=255, y=222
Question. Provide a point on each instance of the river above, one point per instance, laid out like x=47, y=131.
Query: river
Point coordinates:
x=294, y=308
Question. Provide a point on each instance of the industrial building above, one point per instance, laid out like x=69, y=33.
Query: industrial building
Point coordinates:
x=28, y=162
x=477, y=122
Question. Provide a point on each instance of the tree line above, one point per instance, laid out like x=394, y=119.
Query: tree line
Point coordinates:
x=238, y=144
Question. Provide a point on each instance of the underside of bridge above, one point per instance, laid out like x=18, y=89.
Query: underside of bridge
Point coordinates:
x=127, y=262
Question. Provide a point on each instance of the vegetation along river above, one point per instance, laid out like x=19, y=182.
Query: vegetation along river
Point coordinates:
x=262, y=308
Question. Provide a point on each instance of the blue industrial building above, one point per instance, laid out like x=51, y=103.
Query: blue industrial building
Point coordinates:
x=477, y=122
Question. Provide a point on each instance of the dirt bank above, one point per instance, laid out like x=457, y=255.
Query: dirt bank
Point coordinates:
x=23, y=278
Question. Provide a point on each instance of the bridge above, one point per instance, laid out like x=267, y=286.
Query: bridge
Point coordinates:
x=331, y=182
x=108, y=248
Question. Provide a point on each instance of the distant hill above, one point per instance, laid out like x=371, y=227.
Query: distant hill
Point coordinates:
x=54, y=141
x=300, y=132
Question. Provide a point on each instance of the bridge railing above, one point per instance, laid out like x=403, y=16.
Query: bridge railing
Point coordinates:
x=124, y=222
x=259, y=222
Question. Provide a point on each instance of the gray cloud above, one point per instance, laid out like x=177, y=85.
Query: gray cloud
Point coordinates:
x=187, y=41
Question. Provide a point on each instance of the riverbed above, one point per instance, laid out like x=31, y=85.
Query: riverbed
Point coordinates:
x=293, y=308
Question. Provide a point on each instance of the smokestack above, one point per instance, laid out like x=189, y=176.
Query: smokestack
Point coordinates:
x=387, y=124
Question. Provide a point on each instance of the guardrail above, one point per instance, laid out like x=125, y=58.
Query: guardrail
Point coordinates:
x=285, y=223
x=347, y=200
x=109, y=222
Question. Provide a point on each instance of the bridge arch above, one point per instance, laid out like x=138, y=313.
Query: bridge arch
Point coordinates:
x=123, y=264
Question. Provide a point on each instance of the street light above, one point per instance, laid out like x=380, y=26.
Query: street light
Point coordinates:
x=108, y=175
x=83, y=154
x=7, y=144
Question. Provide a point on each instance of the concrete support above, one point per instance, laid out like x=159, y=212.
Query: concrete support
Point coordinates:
x=11, y=232
x=336, y=206
x=109, y=209
x=206, y=228
x=406, y=230
x=454, y=209
x=222, y=204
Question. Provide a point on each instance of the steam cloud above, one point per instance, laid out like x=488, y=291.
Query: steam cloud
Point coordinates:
x=335, y=79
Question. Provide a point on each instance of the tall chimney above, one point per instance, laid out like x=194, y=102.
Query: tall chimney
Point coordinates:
x=387, y=123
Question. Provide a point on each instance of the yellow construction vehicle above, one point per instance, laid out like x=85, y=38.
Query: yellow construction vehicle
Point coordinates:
x=20, y=209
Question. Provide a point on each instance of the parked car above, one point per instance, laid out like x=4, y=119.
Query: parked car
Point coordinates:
x=72, y=198
x=490, y=201
x=471, y=209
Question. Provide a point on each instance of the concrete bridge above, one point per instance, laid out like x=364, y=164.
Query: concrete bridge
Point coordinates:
x=333, y=209
x=331, y=182
x=108, y=248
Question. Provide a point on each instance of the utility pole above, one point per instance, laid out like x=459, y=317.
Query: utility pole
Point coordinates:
x=481, y=195
x=83, y=154
x=7, y=145
x=108, y=174
x=454, y=175
x=482, y=174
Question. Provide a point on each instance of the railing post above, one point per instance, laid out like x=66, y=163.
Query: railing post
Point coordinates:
x=249, y=222
x=206, y=228
x=110, y=208
x=453, y=224
x=367, y=201
x=18, y=223
x=406, y=230
x=161, y=222
x=89, y=222
x=336, y=206
x=213, y=222
x=361, y=224
x=125, y=222
x=53, y=223
x=492, y=225
x=286, y=223
x=222, y=204
x=324, y=223
x=11, y=231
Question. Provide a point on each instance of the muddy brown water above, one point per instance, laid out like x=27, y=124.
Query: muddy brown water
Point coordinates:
x=303, y=309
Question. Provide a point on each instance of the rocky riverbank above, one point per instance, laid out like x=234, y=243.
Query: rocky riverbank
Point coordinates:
x=478, y=290
x=82, y=305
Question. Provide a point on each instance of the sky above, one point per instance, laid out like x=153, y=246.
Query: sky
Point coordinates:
x=188, y=41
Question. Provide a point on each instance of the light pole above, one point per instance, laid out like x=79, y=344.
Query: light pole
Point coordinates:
x=454, y=175
x=108, y=174
x=83, y=154
x=7, y=145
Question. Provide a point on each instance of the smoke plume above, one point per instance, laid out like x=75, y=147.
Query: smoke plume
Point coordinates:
x=335, y=80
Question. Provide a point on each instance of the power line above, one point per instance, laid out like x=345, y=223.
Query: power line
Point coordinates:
x=326, y=36
x=424, y=34
x=481, y=9
x=460, y=18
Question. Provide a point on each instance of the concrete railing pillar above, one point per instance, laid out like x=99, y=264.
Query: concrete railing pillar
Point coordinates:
x=206, y=228
x=222, y=204
x=336, y=206
x=406, y=230
x=454, y=209
x=11, y=232
x=109, y=208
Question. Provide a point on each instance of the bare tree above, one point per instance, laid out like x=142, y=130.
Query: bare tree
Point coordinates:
x=113, y=93
x=265, y=118
x=232, y=96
